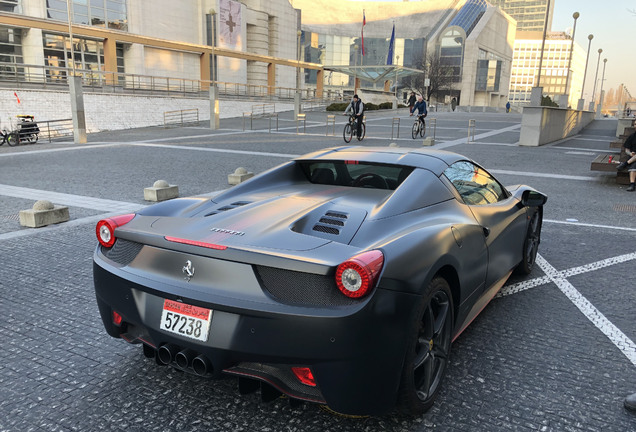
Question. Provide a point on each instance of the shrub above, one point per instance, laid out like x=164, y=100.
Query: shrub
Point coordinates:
x=338, y=106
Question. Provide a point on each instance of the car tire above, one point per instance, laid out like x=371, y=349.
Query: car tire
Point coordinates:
x=428, y=349
x=531, y=244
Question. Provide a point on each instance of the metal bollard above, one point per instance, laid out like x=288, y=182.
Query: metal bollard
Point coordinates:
x=396, y=122
x=270, y=122
x=301, y=118
x=432, y=124
x=471, y=126
x=331, y=119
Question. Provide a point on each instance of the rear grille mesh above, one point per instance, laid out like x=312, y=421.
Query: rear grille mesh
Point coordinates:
x=299, y=288
x=123, y=252
x=327, y=224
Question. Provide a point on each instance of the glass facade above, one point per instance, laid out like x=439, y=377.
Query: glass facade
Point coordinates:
x=88, y=56
x=451, y=52
x=469, y=15
x=530, y=14
x=9, y=6
x=100, y=13
x=344, y=50
x=10, y=51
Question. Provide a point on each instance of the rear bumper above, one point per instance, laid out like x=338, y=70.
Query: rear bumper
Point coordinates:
x=354, y=352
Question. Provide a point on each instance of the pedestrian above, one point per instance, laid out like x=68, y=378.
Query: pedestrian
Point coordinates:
x=508, y=106
x=630, y=402
x=453, y=103
x=630, y=149
x=411, y=102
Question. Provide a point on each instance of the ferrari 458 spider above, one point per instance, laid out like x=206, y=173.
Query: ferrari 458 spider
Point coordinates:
x=340, y=277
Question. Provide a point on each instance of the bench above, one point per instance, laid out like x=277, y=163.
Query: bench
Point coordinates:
x=260, y=111
x=603, y=163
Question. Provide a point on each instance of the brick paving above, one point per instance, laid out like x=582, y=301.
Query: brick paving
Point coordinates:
x=532, y=361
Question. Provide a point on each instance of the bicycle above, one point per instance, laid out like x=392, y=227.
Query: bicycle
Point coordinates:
x=419, y=127
x=350, y=130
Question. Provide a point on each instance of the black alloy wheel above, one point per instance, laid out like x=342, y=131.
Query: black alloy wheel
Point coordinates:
x=428, y=353
x=531, y=244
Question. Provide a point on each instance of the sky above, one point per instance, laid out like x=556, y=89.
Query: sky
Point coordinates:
x=612, y=24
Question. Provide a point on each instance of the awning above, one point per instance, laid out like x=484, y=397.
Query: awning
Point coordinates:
x=375, y=74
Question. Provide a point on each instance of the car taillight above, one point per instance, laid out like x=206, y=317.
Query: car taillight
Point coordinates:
x=117, y=319
x=304, y=375
x=105, y=229
x=358, y=275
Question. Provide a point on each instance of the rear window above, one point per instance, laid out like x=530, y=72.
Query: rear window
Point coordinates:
x=355, y=174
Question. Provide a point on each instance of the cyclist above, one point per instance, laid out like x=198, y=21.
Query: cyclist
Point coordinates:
x=420, y=107
x=357, y=108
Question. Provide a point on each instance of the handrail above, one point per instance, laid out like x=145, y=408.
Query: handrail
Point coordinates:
x=22, y=75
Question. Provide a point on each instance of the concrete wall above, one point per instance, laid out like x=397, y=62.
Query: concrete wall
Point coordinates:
x=543, y=125
x=112, y=112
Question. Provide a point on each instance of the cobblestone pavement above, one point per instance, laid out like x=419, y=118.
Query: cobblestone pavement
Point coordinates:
x=552, y=352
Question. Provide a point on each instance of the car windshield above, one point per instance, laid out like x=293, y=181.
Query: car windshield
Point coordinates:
x=355, y=173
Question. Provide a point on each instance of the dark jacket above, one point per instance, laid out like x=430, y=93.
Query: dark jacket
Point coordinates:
x=356, y=107
x=412, y=100
x=630, y=143
x=421, y=107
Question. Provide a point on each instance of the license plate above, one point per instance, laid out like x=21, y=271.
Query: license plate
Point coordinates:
x=186, y=320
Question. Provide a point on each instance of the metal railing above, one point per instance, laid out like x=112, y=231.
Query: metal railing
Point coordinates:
x=14, y=75
x=180, y=117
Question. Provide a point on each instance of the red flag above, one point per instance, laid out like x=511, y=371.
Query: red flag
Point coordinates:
x=364, y=22
x=16, y=96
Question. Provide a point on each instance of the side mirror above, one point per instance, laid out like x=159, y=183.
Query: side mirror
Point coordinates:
x=532, y=198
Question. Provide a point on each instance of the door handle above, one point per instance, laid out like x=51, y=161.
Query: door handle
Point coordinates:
x=486, y=231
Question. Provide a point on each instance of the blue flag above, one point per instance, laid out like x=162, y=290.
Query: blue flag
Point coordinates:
x=389, y=58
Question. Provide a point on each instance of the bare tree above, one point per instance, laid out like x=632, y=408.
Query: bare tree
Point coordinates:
x=440, y=77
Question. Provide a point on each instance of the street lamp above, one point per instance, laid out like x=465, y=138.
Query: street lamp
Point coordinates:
x=537, y=90
x=575, y=15
x=587, y=58
x=595, y=78
x=298, y=34
x=600, y=103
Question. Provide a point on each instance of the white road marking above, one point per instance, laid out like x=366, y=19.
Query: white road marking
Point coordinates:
x=545, y=175
x=68, y=199
x=583, y=153
x=207, y=149
x=528, y=284
x=618, y=338
x=589, y=225
x=478, y=137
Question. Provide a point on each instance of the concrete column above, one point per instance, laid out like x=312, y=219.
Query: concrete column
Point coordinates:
x=110, y=60
x=296, y=104
x=214, y=107
x=271, y=78
x=320, y=81
x=204, y=64
x=535, y=96
x=580, y=106
x=77, y=109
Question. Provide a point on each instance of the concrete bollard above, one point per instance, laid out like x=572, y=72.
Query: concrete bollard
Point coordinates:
x=42, y=214
x=239, y=176
x=161, y=191
x=428, y=141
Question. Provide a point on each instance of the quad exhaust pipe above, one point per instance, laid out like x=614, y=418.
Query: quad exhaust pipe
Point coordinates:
x=184, y=358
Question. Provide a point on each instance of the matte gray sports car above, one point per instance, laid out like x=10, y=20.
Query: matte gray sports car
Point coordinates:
x=340, y=277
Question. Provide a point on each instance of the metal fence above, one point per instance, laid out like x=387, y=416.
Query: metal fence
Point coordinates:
x=36, y=76
x=180, y=117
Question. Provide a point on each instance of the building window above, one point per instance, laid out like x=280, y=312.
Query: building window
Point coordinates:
x=88, y=55
x=10, y=52
x=451, y=52
x=99, y=13
x=9, y=6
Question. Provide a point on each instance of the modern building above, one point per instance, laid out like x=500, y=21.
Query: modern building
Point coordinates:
x=529, y=14
x=472, y=39
x=554, y=68
x=255, y=40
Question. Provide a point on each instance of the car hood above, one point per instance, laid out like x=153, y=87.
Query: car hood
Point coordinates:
x=289, y=222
